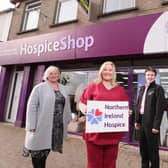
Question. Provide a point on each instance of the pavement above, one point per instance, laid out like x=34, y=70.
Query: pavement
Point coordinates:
x=74, y=152
x=11, y=145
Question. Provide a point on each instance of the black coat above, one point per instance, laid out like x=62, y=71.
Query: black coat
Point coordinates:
x=155, y=103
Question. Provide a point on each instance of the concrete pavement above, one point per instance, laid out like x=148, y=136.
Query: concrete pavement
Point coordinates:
x=11, y=144
x=74, y=152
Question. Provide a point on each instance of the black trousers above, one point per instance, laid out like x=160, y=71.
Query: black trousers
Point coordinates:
x=149, y=148
x=39, y=162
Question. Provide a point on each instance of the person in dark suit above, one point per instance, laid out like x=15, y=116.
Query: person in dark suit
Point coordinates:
x=148, y=115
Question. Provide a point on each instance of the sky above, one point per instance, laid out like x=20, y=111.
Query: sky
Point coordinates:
x=5, y=5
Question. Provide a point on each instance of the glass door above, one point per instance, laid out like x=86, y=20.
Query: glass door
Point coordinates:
x=14, y=96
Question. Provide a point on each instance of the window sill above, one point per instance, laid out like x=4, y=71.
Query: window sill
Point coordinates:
x=27, y=31
x=118, y=11
x=63, y=23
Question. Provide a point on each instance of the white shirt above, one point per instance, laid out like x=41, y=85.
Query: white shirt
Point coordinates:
x=143, y=101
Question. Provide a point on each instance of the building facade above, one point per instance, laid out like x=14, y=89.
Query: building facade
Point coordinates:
x=5, y=22
x=132, y=34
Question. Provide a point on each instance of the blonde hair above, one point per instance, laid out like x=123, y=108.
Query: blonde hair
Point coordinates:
x=49, y=70
x=100, y=79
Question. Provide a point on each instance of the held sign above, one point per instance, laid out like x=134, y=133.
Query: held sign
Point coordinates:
x=107, y=116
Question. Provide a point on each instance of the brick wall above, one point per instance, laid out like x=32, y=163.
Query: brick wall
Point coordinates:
x=48, y=12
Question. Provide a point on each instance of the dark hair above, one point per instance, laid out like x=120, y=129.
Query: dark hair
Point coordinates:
x=151, y=69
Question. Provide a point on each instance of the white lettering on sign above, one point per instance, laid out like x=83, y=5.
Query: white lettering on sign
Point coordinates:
x=65, y=43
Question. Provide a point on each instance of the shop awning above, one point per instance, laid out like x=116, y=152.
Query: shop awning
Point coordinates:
x=138, y=35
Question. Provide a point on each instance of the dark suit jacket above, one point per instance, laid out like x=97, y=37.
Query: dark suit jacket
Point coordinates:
x=155, y=103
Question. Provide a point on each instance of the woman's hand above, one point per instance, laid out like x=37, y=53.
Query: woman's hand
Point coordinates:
x=155, y=131
x=32, y=130
x=136, y=125
x=83, y=108
x=82, y=119
x=130, y=112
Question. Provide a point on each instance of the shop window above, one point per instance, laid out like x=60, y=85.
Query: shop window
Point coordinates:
x=122, y=79
x=162, y=79
x=5, y=20
x=164, y=2
x=113, y=5
x=31, y=16
x=75, y=82
x=66, y=11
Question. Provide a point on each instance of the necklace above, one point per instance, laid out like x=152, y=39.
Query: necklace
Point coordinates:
x=54, y=86
x=108, y=86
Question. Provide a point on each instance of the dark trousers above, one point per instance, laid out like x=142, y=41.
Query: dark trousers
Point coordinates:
x=39, y=162
x=149, y=148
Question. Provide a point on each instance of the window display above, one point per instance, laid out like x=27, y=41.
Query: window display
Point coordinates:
x=76, y=81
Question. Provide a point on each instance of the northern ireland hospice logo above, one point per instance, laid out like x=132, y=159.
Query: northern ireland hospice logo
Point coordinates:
x=94, y=116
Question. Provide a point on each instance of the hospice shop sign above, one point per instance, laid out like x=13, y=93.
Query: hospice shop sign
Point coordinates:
x=107, y=116
x=64, y=43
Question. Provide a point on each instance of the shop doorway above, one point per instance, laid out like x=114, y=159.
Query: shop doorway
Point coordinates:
x=14, y=95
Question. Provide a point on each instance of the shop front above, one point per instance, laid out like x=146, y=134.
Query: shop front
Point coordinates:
x=132, y=44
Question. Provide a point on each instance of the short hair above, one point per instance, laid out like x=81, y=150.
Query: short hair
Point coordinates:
x=151, y=69
x=100, y=79
x=49, y=70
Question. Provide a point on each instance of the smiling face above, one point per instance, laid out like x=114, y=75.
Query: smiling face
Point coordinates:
x=150, y=76
x=107, y=72
x=53, y=76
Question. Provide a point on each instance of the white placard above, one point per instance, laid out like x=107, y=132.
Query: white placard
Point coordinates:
x=107, y=116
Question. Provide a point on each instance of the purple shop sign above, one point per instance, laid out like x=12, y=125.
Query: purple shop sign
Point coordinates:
x=121, y=37
x=41, y=48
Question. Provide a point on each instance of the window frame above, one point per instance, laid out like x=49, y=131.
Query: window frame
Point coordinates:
x=27, y=11
x=57, y=13
x=104, y=10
